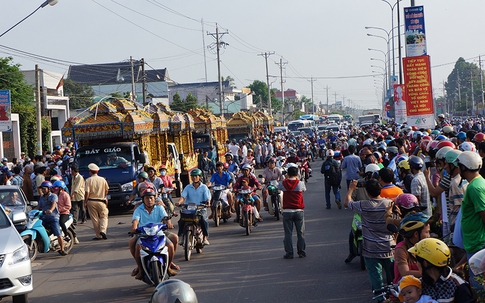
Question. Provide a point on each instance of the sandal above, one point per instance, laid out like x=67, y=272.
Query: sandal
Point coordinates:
x=174, y=266
x=135, y=272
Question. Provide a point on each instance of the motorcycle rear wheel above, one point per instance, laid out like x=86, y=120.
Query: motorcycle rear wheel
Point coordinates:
x=247, y=222
x=188, y=241
x=154, y=269
x=69, y=245
x=276, y=203
x=217, y=216
x=32, y=246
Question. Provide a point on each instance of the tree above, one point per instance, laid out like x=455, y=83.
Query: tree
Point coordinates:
x=260, y=90
x=190, y=102
x=80, y=95
x=228, y=79
x=459, y=86
x=177, y=104
x=307, y=102
x=22, y=96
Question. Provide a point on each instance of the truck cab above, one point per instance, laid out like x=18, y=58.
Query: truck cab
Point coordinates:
x=119, y=163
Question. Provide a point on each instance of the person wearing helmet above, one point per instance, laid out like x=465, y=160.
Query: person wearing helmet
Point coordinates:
x=141, y=178
x=153, y=178
x=220, y=177
x=150, y=212
x=248, y=179
x=404, y=172
x=456, y=191
x=96, y=190
x=332, y=172
x=293, y=158
x=478, y=138
x=413, y=228
x=64, y=206
x=376, y=248
x=233, y=167
x=473, y=204
x=419, y=186
x=270, y=173
x=441, y=122
x=438, y=279
x=173, y=290
x=461, y=136
x=198, y=193
x=50, y=217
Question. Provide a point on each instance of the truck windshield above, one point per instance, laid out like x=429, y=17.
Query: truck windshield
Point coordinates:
x=104, y=157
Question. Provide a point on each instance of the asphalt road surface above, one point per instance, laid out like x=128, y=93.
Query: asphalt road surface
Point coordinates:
x=234, y=268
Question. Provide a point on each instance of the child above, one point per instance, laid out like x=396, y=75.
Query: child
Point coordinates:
x=293, y=206
x=410, y=291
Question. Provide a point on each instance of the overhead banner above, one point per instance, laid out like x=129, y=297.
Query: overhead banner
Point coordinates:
x=419, y=93
x=5, y=111
x=400, y=103
x=415, y=31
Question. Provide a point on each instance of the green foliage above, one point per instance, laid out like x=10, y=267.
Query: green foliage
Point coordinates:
x=183, y=105
x=80, y=95
x=296, y=114
x=260, y=90
x=229, y=79
x=463, y=74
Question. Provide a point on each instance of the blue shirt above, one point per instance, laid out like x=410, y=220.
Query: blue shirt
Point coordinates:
x=46, y=204
x=232, y=167
x=225, y=179
x=353, y=164
x=193, y=195
x=143, y=217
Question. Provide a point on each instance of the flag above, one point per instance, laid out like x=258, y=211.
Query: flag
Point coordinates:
x=61, y=83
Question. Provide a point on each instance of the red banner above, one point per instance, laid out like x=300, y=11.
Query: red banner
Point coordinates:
x=417, y=76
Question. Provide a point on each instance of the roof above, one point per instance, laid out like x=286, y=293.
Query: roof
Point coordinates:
x=114, y=73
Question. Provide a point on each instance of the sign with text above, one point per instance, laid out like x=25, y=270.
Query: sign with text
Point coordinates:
x=400, y=103
x=419, y=93
x=5, y=111
x=415, y=31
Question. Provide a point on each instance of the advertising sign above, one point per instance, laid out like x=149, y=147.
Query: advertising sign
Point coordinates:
x=415, y=31
x=419, y=93
x=400, y=103
x=5, y=111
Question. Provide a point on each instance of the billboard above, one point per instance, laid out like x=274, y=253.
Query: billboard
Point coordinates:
x=419, y=93
x=415, y=32
x=400, y=103
x=5, y=111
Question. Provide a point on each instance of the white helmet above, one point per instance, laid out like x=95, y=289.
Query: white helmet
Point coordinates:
x=329, y=153
x=372, y=168
x=442, y=152
x=470, y=160
x=467, y=146
x=447, y=129
x=291, y=165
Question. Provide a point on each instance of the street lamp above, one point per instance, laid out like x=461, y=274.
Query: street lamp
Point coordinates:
x=392, y=6
x=44, y=4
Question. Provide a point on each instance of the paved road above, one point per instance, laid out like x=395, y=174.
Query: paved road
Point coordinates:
x=234, y=268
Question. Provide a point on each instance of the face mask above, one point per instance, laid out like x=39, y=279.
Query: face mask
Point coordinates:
x=163, y=173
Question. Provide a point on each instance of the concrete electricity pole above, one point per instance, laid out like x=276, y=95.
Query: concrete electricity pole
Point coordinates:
x=218, y=36
x=326, y=88
x=266, y=55
x=144, y=81
x=313, y=104
x=281, y=64
x=39, y=110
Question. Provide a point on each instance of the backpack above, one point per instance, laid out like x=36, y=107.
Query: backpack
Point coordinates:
x=332, y=172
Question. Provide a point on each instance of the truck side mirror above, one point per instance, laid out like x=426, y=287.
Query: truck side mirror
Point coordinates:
x=142, y=158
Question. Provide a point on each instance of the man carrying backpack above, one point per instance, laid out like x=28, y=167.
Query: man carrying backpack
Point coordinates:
x=333, y=176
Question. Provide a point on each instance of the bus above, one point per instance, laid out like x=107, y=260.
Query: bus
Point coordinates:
x=369, y=119
x=309, y=117
x=335, y=118
x=296, y=124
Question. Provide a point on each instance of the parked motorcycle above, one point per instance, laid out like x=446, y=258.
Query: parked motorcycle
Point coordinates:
x=39, y=239
x=355, y=241
x=193, y=236
x=248, y=210
x=220, y=209
x=153, y=252
x=275, y=194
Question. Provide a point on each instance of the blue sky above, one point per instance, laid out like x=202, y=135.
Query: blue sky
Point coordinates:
x=323, y=39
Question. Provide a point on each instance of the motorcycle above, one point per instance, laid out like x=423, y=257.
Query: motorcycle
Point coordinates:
x=279, y=161
x=355, y=241
x=248, y=210
x=193, y=236
x=322, y=152
x=305, y=170
x=314, y=149
x=153, y=252
x=164, y=194
x=275, y=194
x=40, y=239
x=220, y=209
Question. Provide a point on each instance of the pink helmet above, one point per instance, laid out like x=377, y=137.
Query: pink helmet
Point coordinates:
x=407, y=201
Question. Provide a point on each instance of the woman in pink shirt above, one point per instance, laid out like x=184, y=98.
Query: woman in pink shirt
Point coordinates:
x=63, y=205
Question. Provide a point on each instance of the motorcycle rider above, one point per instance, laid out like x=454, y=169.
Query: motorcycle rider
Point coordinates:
x=166, y=179
x=233, y=167
x=149, y=212
x=293, y=158
x=220, y=177
x=142, y=177
x=50, y=218
x=270, y=173
x=152, y=177
x=252, y=182
x=197, y=193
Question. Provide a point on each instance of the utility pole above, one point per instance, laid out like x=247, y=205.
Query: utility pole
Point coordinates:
x=335, y=94
x=203, y=45
x=473, y=97
x=39, y=110
x=459, y=88
x=132, y=80
x=326, y=88
x=313, y=104
x=281, y=64
x=144, y=81
x=481, y=84
x=266, y=55
x=218, y=36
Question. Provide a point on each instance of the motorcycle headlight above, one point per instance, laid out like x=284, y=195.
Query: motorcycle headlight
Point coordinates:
x=20, y=255
x=127, y=187
x=151, y=231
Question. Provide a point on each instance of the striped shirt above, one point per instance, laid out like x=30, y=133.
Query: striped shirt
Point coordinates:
x=419, y=188
x=377, y=239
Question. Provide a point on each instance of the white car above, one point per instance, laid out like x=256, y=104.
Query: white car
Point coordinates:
x=15, y=266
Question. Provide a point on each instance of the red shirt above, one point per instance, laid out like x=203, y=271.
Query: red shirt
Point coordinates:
x=293, y=195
